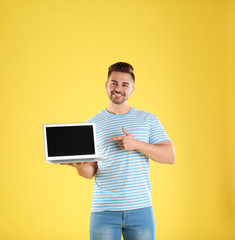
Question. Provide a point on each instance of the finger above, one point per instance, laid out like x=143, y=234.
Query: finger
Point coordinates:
x=125, y=131
x=122, y=146
x=116, y=138
x=69, y=164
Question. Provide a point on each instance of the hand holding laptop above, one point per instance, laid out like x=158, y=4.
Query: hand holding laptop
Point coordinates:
x=76, y=165
x=73, y=164
x=84, y=169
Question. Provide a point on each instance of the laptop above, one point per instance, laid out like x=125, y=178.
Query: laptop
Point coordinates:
x=70, y=143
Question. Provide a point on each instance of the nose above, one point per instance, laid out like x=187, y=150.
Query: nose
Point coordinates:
x=118, y=88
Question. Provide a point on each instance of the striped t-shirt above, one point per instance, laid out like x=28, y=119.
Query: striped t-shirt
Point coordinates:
x=122, y=181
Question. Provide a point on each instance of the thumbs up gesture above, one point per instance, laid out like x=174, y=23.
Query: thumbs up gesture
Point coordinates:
x=127, y=141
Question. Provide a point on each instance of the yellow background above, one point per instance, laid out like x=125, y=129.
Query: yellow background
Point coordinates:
x=54, y=61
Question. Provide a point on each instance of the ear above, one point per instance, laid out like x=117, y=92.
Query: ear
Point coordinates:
x=106, y=84
x=133, y=89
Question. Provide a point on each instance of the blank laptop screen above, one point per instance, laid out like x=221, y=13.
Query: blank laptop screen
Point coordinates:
x=70, y=140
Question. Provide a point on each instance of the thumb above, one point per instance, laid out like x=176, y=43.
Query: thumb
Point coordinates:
x=125, y=131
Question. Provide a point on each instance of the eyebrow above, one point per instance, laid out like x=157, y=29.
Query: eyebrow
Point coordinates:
x=122, y=82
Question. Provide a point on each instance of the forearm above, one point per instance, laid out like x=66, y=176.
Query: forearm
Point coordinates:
x=161, y=153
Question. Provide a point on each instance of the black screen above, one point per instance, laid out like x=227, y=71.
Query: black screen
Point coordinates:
x=70, y=140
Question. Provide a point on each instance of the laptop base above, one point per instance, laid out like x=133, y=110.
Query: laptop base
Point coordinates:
x=77, y=160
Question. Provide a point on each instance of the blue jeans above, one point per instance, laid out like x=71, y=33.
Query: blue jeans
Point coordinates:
x=135, y=224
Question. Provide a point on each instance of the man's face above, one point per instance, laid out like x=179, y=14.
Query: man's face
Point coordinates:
x=119, y=87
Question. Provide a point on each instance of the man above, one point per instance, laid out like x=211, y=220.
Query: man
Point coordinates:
x=127, y=138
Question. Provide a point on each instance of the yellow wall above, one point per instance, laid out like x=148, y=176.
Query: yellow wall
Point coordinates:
x=54, y=60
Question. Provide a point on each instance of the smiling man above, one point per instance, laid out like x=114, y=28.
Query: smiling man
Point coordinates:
x=119, y=87
x=127, y=139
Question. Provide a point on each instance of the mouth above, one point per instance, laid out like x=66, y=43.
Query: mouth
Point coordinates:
x=117, y=94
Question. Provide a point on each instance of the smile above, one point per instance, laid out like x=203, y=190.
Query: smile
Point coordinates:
x=117, y=94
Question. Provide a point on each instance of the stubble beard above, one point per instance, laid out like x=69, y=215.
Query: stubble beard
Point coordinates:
x=116, y=101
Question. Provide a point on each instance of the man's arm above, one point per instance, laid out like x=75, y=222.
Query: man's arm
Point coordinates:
x=163, y=152
x=84, y=169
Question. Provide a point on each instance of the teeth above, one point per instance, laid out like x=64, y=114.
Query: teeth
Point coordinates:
x=119, y=95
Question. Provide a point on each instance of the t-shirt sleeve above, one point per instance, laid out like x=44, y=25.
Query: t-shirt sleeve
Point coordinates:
x=157, y=132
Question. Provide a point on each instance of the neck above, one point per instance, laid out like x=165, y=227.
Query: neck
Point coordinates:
x=118, y=109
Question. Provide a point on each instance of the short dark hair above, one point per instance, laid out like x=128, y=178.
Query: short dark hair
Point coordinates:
x=122, y=67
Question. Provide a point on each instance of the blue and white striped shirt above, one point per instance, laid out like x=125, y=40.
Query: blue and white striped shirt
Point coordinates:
x=122, y=181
